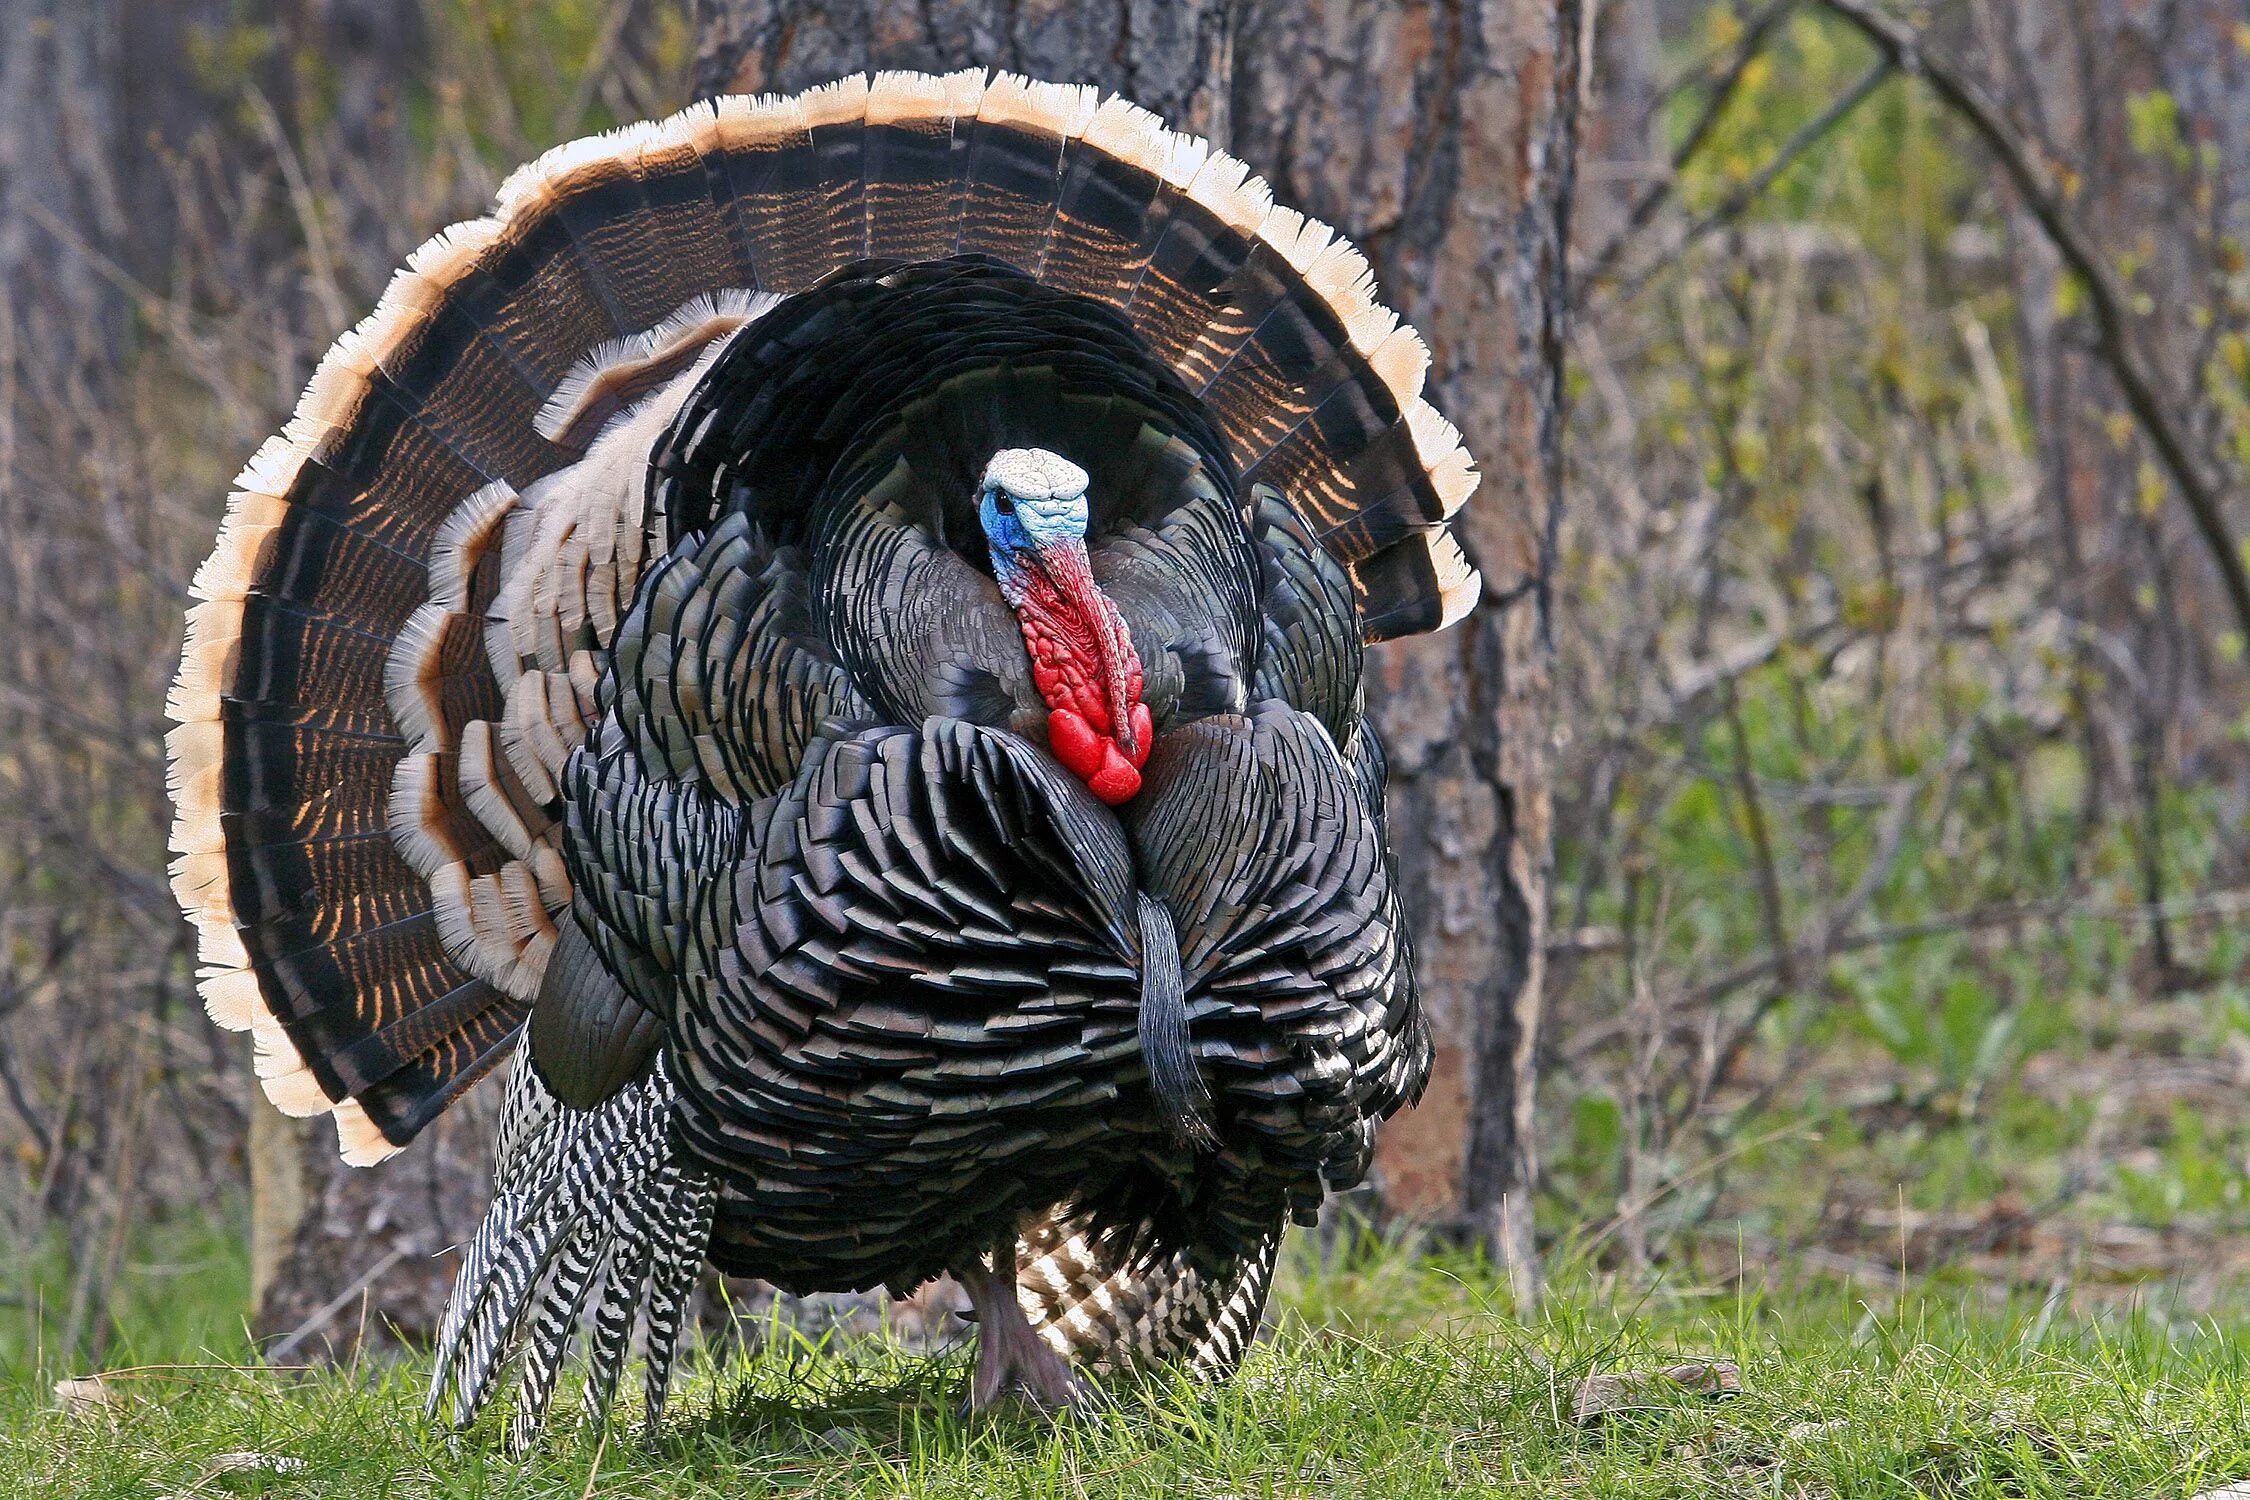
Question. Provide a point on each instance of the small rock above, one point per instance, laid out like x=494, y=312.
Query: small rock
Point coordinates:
x=841, y=1439
x=1807, y=1432
x=1599, y=1395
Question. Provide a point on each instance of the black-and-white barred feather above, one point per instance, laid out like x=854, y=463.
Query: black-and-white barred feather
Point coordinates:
x=590, y=1207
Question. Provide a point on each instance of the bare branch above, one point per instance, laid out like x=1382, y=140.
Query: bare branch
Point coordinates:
x=2115, y=343
x=1754, y=186
x=1746, y=52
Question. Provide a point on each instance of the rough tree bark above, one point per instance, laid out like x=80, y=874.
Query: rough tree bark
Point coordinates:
x=1441, y=137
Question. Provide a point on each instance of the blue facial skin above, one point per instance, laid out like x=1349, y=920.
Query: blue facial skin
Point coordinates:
x=1018, y=530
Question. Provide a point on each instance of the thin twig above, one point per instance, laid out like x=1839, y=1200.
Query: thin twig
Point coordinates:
x=1815, y=948
x=1754, y=827
x=2114, y=341
x=1746, y=52
x=168, y=1371
x=597, y=65
x=1755, y=186
x=324, y=282
x=1801, y=140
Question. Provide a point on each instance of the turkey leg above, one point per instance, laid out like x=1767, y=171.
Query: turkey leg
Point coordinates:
x=1011, y=1357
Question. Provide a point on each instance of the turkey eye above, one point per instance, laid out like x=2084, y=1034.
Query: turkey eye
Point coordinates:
x=1004, y=502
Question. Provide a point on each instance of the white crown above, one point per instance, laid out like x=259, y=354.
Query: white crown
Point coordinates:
x=1034, y=474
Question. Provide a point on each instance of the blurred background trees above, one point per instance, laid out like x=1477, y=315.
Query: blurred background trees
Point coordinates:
x=1897, y=711
x=1900, y=817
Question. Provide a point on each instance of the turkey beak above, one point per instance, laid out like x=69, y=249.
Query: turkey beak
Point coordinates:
x=1066, y=564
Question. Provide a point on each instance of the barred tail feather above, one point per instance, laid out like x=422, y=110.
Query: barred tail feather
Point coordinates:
x=591, y=1210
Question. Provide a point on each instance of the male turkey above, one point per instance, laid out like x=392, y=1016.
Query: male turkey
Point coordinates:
x=829, y=630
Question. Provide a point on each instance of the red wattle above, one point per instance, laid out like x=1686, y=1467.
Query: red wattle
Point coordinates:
x=1116, y=781
x=1075, y=744
x=1094, y=758
x=1084, y=665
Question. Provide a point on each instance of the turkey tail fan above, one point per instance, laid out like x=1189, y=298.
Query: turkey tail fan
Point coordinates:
x=400, y=630
x=594, y=1227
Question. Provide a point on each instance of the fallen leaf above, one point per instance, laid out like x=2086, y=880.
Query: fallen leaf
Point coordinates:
x=1599, y=1395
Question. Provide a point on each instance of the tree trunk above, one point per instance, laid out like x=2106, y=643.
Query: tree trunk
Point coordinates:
x=62, y=122
x=1441, y=138
x=342, y=1256
x=96, y=99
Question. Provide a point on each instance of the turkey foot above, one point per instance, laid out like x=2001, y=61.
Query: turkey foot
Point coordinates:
x=1011, y=1357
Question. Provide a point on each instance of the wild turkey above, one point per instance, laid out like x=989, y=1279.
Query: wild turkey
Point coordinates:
x=829, y=629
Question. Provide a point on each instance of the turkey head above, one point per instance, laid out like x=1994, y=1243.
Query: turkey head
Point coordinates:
x=1032, y=505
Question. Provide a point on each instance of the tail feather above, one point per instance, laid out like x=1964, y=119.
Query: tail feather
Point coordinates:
x=1181, y=302
x=765, y=145
x=645, y=228
x=519, y=287
x=915, y=159
x=363, y=420
x=555, y=204
x=835, y=115
x=1111, y=205
x=1023, y=133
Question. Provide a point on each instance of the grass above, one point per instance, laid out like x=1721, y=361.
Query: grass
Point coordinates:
x=1386, y=1376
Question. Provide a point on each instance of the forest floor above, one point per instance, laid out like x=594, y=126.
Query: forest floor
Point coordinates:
x=1385, y=1375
